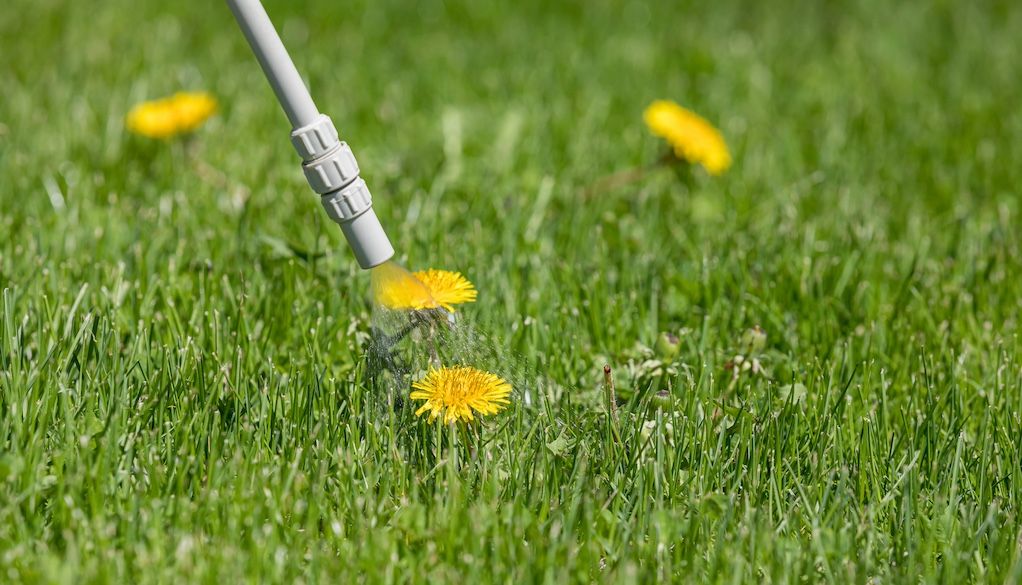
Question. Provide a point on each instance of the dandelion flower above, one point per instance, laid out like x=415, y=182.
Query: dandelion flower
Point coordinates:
x=447, y=288
x=180, y=113
x=692, y=137
x=395, y=288
x=455, y=392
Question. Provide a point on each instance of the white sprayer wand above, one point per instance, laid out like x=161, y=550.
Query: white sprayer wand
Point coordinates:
x=329, y=165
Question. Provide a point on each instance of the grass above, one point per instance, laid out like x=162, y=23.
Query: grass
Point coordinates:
x=183, y=389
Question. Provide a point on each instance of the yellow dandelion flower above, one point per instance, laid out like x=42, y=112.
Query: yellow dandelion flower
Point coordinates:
x=447, y=288
x=455, y=392
x=180, y=113
x=395, y=288
x=692, y=137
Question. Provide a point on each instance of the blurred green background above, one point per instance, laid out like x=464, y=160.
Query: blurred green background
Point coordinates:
x=182, y=394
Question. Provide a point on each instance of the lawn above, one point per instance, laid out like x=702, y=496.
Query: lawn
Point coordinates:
x=185, y=394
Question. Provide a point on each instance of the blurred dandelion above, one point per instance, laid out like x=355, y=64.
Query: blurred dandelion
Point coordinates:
x=181, y=113
x=426, y=289
x=395, y=288
x=692, y=138
x=454, y=393
x=692, y=141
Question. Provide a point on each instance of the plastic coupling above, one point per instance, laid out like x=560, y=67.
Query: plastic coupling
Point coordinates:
x=328, y=163
x=332, y=171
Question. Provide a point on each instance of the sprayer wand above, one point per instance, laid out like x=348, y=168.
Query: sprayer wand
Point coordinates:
x=329, y=165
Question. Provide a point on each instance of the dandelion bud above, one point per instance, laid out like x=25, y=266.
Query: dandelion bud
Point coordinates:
x=663, y=400
x=668, y=346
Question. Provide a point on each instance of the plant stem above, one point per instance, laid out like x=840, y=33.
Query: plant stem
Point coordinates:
x=626, y=176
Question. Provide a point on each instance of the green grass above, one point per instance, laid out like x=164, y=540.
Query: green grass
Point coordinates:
x=183, y=390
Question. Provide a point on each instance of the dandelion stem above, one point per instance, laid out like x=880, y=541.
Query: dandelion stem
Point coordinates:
x=213, y=176
x=627, y=176
x=416, y=319
x=434, y=357
x=452, y=457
